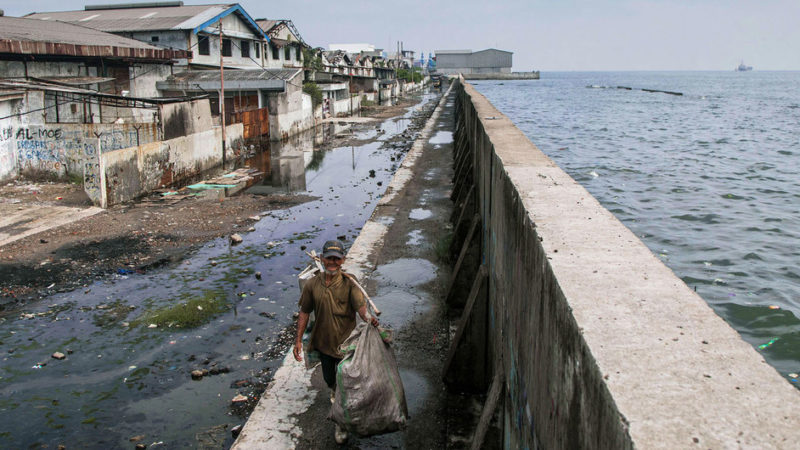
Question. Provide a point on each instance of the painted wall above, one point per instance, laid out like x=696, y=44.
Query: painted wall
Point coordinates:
x=346, y=107
x=60, y=150
x=232, y=28
x=132, y=172
x=600, y=345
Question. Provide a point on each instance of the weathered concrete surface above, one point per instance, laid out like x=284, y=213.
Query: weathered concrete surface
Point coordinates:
x=420, y=337
x=602, y=345
x=132, y=172
x=17, y=222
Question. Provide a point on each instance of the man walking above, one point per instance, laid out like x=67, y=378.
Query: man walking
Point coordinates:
x=335, y=299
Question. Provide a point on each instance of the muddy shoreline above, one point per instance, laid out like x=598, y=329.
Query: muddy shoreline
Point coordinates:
x=138, y=236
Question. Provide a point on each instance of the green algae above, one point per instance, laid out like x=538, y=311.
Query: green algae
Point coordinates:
x=189, y=312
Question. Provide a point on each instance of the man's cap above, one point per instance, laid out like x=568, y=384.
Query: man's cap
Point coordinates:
x=333, y=248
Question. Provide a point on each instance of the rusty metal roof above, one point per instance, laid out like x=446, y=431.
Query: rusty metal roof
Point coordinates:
x=79, y=81
x=23, y=36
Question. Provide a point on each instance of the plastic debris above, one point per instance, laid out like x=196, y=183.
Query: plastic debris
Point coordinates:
x=774, y=307
x=794, y=375
x=771, y=341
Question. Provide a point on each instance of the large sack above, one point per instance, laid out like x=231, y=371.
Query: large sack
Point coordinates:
x=369, y=393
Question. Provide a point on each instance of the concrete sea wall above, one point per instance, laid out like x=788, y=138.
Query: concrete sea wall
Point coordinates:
x=596, y=343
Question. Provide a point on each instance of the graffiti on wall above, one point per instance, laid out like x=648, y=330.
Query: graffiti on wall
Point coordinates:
x=63, y=149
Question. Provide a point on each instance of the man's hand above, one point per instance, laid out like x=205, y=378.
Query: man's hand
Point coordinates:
x=366, y=317
x=302, y=321
x=298, y=350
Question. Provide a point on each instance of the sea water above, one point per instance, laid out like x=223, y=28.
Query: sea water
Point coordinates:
x=707, y=179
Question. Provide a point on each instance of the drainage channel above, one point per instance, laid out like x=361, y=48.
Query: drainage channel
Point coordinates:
x=131, y=342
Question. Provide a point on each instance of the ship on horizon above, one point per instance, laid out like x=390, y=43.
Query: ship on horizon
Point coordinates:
x=743, y=68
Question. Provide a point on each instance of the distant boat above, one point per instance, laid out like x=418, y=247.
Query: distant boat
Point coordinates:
x=743, y=68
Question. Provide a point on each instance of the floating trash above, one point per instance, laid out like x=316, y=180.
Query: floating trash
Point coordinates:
x=771, y=341
x=794, y=375
x=774, y=307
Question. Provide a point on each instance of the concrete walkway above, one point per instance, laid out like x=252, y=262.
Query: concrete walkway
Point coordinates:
x=18, y=221
x=396, y=256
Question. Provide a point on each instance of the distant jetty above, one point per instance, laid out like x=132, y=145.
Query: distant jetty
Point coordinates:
x=502, y=76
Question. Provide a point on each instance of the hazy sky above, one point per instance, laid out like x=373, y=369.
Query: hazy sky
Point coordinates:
x=547, y=35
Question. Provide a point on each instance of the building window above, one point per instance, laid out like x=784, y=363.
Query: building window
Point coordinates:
x=202, y=45
x=153, y=38
x=226, y=47
x=257, y=48
x=287, y=52
x=245, y=49
x=275, y=53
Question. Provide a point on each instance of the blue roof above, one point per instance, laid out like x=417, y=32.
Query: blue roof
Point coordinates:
x=236, y=8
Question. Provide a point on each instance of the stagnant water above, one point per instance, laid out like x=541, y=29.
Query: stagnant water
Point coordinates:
x=120, y=382
x=707, y=179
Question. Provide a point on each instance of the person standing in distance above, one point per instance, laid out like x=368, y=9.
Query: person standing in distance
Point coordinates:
x=335, y=299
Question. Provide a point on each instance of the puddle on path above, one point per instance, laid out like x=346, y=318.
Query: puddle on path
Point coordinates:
x=420, y=214
x=442, y=137
x=398, y=307
x=415, y=237
x=406, y=272
x=121, y=381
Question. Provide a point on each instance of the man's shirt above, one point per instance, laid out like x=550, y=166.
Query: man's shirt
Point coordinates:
x=335, y=308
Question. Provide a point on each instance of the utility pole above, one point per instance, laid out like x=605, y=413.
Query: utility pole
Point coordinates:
x=350, y=89
x=222, y=91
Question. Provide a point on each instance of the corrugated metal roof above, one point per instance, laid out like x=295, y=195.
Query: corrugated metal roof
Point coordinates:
x=208, y=80
x=137, y=19
x=34, y=37
x=267, y=24
x=236, y=75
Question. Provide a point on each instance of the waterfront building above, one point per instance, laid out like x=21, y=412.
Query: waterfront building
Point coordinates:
x=262, y=79
x=66, y=90
x=173, y=25
x=453, y=62
x=285, y=46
